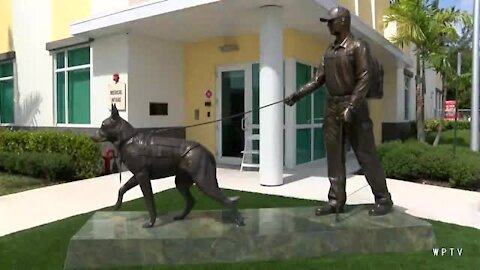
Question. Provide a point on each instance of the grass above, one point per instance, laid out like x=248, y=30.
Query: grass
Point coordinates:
x=45, y=247
x=447, y=137
x=16, y=183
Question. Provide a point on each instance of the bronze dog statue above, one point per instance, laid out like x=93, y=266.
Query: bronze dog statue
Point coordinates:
x=149, y=156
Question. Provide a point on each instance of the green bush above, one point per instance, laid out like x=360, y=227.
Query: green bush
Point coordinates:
x=412, y=161
x=465, y=171
x=49, y=166
x=401, y=160
x=83, y=152
x=432, y=124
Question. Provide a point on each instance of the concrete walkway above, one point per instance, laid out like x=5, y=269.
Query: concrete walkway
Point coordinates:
x=33, y=208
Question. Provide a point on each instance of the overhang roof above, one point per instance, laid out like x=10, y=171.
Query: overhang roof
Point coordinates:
x=195, y=20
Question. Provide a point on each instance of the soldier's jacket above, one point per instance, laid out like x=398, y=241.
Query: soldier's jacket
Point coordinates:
x=344, y=70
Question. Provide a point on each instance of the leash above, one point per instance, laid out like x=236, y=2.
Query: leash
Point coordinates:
x=229, y=117
x=219, y=120
x=196, y=125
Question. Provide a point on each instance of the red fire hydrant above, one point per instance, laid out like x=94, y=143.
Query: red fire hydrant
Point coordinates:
x=107, y=157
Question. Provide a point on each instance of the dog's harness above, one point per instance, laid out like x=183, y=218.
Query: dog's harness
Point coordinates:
x=120, y=144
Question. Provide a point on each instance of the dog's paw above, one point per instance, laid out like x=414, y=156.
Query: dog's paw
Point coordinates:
x=117, y=206
x=148, y=224
x=178, y=217
x=239, y=221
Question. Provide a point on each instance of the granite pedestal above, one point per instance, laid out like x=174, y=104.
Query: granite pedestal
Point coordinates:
x=110, y=239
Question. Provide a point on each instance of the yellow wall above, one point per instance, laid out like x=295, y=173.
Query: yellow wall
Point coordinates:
x=201, y=62
x=6, y=42
x=349, y=4
x=202, y=59
x=381, y=6
x=365, y=12
x=64, y=13
x=304, y=47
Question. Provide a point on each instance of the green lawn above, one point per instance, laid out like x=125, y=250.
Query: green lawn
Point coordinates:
x=16, y=183
x=45, y=247
x=447, y=137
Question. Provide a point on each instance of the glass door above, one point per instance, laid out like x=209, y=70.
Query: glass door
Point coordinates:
x=309, y=119
x=234, y=85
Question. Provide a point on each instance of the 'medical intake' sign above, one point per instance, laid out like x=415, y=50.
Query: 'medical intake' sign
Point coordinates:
x=116, y=95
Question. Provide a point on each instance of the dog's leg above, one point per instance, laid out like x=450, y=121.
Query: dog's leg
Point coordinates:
x=214, y=192
x=143, y=179
x=184, y=182
x=132, y=182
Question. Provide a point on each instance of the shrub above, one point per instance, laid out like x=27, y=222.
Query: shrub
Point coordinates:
x=413, y=161
x=401, y=160
x=49, y=166
x=431, y=125
x=465, y=171
x=82, y=151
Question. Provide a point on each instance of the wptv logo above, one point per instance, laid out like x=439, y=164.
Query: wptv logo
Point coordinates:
x=447, y=252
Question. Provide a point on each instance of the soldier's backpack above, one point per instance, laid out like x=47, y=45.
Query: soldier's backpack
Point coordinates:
x=376, y=86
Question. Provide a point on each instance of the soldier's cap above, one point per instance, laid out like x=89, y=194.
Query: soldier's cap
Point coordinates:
x=337, y=12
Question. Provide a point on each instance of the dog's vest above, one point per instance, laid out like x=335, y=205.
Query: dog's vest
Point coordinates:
x=162, y=147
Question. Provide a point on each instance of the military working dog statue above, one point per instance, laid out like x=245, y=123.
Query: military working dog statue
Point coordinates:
x=149, y=156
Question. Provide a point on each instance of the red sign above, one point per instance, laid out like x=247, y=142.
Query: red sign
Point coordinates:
x=208, y=93
x=450, y=110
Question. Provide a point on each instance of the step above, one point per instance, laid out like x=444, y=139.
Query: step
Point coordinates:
x=251, y=152
x=250, y=165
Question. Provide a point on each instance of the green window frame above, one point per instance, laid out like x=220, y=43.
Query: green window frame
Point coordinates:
x=309, y=118
x=73, y=85
x=7, y=92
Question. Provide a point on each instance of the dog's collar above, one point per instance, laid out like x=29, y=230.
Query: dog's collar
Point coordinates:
x=122, y=142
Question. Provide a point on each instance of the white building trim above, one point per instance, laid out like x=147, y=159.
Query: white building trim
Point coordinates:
x=135, y=13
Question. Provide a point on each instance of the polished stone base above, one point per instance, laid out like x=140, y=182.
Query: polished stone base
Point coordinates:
x=112, y=239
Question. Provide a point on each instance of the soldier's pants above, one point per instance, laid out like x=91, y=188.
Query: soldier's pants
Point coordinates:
x=359, y=132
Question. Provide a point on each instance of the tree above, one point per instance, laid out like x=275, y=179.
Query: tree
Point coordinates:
x=420, y=23
x=443, y=56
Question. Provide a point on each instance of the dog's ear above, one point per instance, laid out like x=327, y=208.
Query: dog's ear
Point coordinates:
x=114, y=111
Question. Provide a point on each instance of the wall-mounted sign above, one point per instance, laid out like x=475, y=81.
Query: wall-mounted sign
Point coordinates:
x=117, y=95
x=208, y=94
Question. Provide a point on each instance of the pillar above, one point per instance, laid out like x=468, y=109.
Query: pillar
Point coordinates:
x=271, y=90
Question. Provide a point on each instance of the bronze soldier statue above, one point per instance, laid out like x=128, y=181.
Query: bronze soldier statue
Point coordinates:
x=345, y=71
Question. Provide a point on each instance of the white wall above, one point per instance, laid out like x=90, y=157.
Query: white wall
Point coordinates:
x=110, y=55
x=431, y=84
x=102, y=7
x=31, y=30
x=156, y=70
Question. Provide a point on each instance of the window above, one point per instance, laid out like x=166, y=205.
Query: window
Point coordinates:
x=72, y=86
x=407, y=96
x=158, y=108
x=6, y=92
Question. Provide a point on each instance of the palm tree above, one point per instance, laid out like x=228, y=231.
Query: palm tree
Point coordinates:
x=443, y=58
x=420, y=23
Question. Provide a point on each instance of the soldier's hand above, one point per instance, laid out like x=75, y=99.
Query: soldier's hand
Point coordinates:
x=347, y=114
x=291, y=100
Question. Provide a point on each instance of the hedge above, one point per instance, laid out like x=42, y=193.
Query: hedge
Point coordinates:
x=49, y=166
x=82, y=151
x=432, y=124
x=412, y=161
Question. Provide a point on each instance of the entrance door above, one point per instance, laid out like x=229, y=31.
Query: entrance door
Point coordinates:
x=234, y=88
x=309, y=119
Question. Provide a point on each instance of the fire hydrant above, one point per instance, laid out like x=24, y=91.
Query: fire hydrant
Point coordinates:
x=107, y=157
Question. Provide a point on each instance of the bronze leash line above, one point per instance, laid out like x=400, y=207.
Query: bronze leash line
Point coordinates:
x=228, y=117
x=221, y=119
x=200, y=124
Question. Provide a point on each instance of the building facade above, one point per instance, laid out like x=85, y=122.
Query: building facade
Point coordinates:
x=180, y=63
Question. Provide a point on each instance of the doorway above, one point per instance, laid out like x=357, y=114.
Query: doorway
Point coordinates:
x=234, y=88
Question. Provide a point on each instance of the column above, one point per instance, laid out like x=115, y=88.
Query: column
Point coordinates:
x=271, y=90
